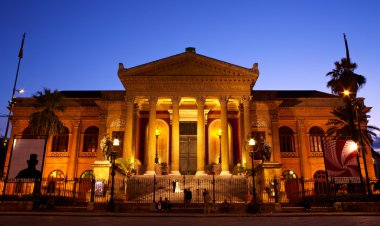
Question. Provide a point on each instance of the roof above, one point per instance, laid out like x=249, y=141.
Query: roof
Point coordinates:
x=289, y=94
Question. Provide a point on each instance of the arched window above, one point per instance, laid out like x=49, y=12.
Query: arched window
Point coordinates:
x=60, y=141
x=320, y=182
x=91, y=139
x=55, y=181
x=88, y=174
x=286, y=139
x=317, y=139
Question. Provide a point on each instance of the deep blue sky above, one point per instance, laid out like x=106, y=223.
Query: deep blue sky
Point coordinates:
x=77, y=44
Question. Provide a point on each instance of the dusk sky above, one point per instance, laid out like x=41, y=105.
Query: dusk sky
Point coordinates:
x=77, y=45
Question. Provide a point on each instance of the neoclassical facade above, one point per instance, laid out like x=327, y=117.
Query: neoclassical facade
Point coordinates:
x=205, y=111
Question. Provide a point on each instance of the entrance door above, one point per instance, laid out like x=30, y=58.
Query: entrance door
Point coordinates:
x=187, y=154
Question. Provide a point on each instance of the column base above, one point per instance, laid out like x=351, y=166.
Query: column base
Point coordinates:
x=225, y=173
x=150, y=173
x=175, y=172
x=201, y=172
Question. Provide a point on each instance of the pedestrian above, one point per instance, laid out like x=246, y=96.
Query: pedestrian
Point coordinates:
x=188, y=196
x=159, y=205
x=207, y=202
x=166, y=205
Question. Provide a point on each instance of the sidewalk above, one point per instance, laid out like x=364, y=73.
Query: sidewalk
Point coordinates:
x=109, y=214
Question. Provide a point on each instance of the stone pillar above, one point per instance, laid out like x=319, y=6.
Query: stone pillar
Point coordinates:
x=128, y=133
x=200, y=135
x=150, y=155
x=224, y=138
x=276, y=154
x=247, y=124
x=175, y=136
x=73, y=150
x=102, y=132
x=303, y=149
x=243, y=154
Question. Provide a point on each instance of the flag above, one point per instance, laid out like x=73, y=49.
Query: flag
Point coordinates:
x=20, y=54
x=341, y=162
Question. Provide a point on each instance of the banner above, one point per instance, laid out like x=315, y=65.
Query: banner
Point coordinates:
x=27, y=156
x=341, y=162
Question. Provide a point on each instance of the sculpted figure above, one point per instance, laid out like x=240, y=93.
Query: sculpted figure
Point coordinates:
x=106, y=146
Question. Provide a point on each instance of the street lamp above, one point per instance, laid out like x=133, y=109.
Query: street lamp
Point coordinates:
x=219, y=134
x=115, y=146
x=252, y=143
x=355, y=109
x=158, y=133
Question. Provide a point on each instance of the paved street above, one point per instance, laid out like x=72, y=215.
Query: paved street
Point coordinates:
x=191, y=220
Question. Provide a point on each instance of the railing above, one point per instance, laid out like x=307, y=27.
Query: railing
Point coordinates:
x=146, y=189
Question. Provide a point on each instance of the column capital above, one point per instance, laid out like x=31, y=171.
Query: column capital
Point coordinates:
x=130, y=99
x=241, y=107
x=301, y=123
x=153, y=99
x=274, y=115
x=176, y=100
x=102, y=116
x=246, y=99
x=201, y=100
x=76, y=123
x=223, y=99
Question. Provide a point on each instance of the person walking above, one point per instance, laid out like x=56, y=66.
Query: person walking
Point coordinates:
x=207, y=202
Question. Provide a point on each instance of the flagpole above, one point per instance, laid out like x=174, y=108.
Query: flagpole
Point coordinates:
x=11, y=104
x=12, y=101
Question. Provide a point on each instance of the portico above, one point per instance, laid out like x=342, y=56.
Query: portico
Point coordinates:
x=181, y=95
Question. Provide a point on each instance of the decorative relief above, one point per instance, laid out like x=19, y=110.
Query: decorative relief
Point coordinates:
x=246, y=99
x=176, y=100
x=274, y=116
x=223, y=99
x=201, y=100
x=153, y=100
x=130, y=99
x=259, y=123
x=316, y=154
x=289, y=155
x=58, y=154
x=87, y=154
x=118, y=123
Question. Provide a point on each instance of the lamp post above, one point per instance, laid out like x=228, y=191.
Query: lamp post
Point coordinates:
x=158, y=133
x=359, y=139
x=219, y=134
x=252, y=155
x=111, y=204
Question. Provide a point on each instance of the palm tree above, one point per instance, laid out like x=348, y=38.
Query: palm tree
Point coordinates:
x=343, y=76
x=344, y=126
x=46, y=122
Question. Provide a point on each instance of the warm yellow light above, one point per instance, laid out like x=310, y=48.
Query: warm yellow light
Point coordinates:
x=116, y=142
x=353, y=146
x=158, y=133
x=219, y=133
x=21, y=91
x=346, y=92
x=291, y=172
x=252, y=142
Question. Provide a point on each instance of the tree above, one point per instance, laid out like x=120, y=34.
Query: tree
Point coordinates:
x=45, y=121
x=343, y=77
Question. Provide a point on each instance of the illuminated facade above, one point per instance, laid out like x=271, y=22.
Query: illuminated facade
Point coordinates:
x=188, y=97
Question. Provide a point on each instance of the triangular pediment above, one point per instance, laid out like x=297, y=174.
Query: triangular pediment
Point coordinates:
x=187, y=64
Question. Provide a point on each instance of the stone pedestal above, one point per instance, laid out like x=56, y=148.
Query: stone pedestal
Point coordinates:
x=102, y=169
x=265, y=175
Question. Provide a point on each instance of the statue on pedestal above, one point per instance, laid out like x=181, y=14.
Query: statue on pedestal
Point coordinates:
x=106, y=146
x=264, y=150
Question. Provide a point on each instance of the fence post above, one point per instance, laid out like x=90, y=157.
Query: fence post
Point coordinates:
x=154, y=188
x=213, y=188
x=92, y=189
x=303, y=188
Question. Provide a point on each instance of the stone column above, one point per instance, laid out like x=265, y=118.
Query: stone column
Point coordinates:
x=150, y=155
x=128, y=133
x=200, y=135
x=73, y=150
x=276, y=154
x=224, y=138
x=247, y=124
x=243, y=154
x=303, y=149
x=175, y=136
x=102, y=132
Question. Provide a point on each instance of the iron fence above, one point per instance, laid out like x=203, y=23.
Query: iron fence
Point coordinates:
x=146, y=189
